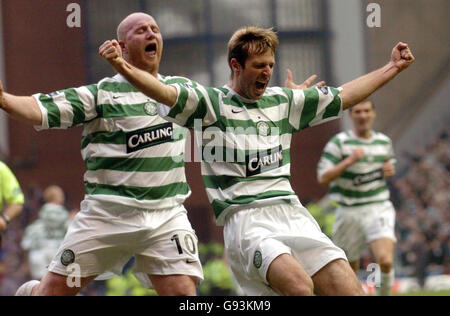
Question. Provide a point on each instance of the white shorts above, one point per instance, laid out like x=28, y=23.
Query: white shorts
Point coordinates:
x=357, y=226
x=255, y=237
x=104, y=236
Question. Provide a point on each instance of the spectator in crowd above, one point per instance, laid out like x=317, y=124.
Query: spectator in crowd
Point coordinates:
x=422, y=198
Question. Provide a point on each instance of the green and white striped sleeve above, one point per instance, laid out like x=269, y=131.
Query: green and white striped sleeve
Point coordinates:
x=331, y=156
x=193, y=102
x=313, y=106
x=67, y=108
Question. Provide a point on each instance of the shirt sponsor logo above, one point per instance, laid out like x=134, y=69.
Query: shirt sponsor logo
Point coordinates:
x=264, y=161
x=148, y=137
x=368, y=177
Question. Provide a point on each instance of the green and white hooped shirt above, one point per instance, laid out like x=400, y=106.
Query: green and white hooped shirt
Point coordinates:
x=246, y=143
x=132, y=155
x=362, y=183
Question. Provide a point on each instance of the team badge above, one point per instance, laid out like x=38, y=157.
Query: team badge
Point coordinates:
x=67, y=257
x=257, y=259
x=151, y=108
x=263, y=128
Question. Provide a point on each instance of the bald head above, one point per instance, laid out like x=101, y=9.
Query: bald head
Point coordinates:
x=128, y=23
x=54, y=194
x=141, y=41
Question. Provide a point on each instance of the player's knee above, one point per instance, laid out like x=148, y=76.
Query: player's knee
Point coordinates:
x=386, y=263
x=299, y=288
x=56, y=285
x=182, y=289
x=184, y=286
x=52, y=287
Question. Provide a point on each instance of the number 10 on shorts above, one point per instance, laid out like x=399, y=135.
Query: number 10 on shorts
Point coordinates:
x=188, y=241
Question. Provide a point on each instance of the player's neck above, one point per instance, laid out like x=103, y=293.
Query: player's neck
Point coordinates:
x=363, y=133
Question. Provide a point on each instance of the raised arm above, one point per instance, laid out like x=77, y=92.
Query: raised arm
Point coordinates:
x=359, y=89
x=24, y=109
x=142, y=80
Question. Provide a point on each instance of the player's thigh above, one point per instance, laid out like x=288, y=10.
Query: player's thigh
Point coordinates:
x=174, y=285
x=348, y=234
x=337, y=279
x=53, y=284
x=287, y=277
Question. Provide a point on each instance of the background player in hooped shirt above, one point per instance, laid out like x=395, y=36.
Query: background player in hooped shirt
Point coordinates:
x=43, y=237
x=273, y=244
x=135, y=180
x=356, y=164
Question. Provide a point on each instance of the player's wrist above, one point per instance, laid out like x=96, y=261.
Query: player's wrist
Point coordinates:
x=351, y=160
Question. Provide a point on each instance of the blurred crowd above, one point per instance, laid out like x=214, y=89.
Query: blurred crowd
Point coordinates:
x=420, y=194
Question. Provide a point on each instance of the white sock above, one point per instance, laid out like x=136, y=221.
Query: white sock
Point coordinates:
x=27, y=288
x=387, y=281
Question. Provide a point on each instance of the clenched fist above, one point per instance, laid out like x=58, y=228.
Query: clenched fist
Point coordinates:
x=357, y=154
x=401, y=56
x=111, y=51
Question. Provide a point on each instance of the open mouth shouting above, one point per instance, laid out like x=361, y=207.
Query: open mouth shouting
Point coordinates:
x=150, y=50
x=260, y=87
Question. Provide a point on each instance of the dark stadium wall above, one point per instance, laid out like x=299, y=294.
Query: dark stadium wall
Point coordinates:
x=424, y=25
x=42, y=54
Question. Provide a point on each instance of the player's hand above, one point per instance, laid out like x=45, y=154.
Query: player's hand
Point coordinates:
x=111, y=51
x=401, y=56
x=388, y=169
x=357, y=154
x=289, y=83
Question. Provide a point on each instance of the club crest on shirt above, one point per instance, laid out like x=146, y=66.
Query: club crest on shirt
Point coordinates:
x=151, y=108
x=263, y=128
x=257, y=259
x=67, y=257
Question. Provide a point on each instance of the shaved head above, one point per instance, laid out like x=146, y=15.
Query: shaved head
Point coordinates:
x=128, y=23
x=141, y=41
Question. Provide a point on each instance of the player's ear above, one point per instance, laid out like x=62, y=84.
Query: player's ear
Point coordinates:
x=123, y=47
x=236, y=67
